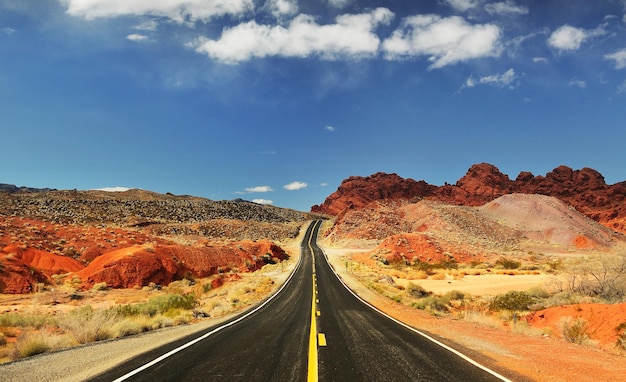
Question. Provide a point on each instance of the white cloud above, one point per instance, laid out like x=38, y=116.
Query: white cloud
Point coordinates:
x=324, y=184
x=148, y=26
x=462, y=5
x=7, y=30
x=295, y=186
x=259, y=189
x=281, y=8
x=266, y=202
x=577, y=84
x=622, y=88
x=568, y=37
x=540, y=60
x=503, y=80
x=351, y=37
x=329, y=128
x=137, y=37
x=445, y=40
x=177, y=10
x=112, y=189
x=507, y=7
x=619, y=57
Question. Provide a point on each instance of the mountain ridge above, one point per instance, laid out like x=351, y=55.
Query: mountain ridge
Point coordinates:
x=584, y=189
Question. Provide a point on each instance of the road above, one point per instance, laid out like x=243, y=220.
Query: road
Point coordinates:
x=313, y=329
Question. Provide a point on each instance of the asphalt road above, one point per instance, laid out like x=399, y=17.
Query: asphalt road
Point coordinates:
x=314, y=328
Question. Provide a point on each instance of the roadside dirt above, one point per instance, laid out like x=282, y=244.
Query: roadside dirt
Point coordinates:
x=532, y=356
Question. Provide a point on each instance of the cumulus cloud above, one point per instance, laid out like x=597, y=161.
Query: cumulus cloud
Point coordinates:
x=259, y=189
x=351, y=37
x=462, y=5
x=329, y=128
x=445, y=41
x=282, y=8
x=540, y=60
x=506, y=79
x=266, y=202
x=505, y=8
x=177, y=10
x=619, y=57
x=295, y=186
x=137, y=37
x=570, y=38
x=7, y=30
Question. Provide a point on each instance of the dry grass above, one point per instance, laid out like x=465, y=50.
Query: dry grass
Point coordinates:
x=50, y=321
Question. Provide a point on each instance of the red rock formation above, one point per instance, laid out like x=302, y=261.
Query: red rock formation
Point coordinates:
x=357, y=192
x=140, y=265
x=585, y=190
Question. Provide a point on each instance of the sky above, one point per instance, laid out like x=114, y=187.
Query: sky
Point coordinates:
x=278, y=101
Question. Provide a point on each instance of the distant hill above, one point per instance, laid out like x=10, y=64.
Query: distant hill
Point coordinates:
x=10, y=188
x=133, y=238
x=584, y=189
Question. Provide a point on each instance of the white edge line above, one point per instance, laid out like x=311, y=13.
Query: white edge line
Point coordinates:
x=452, y=350
x=206, y=335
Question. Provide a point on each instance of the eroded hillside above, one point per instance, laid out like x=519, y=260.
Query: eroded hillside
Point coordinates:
x=133, y=238
x=584, y=189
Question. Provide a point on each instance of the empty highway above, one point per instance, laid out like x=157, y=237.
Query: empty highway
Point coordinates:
x=313, y=329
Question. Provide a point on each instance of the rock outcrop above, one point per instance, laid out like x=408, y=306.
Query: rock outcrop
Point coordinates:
x=133, y=238
x=584, y=189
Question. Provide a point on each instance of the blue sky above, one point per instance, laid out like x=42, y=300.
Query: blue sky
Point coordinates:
x=278, y=101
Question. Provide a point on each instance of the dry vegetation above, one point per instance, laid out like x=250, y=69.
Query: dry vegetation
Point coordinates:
x=57, y=319
x=506, y=294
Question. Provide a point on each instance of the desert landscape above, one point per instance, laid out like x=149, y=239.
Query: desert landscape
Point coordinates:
x=527, y=274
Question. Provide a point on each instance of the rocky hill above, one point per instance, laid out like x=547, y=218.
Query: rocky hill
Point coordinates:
x=584, y=189
x=132, y=238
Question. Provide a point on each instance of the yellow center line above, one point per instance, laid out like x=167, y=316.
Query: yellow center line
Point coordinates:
x=313, y=363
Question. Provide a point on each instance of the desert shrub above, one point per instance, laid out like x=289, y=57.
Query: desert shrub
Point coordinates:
x=508, y=263
x=23, y=320
x=603, y=277
x=439, y=304
x=3, y=339
x=30, y=344
x=574, y=331
x=126, y=327
x=417, y=291
x=512, y=300
x=99, y=286
x=438, y=276
x=86, y=324
x=454, y=295
x=157, y=305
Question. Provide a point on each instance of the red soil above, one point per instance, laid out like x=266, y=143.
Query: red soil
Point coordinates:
x=35, y=250
x=603, y=320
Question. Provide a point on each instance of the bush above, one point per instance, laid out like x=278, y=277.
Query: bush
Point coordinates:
x=157, y=305
x=126, y=327
x=86, y=324
x=30, y=344
x=417, y=291
x=574, y=331
x=508, y=263
x=512, y=300
x=22, y=320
